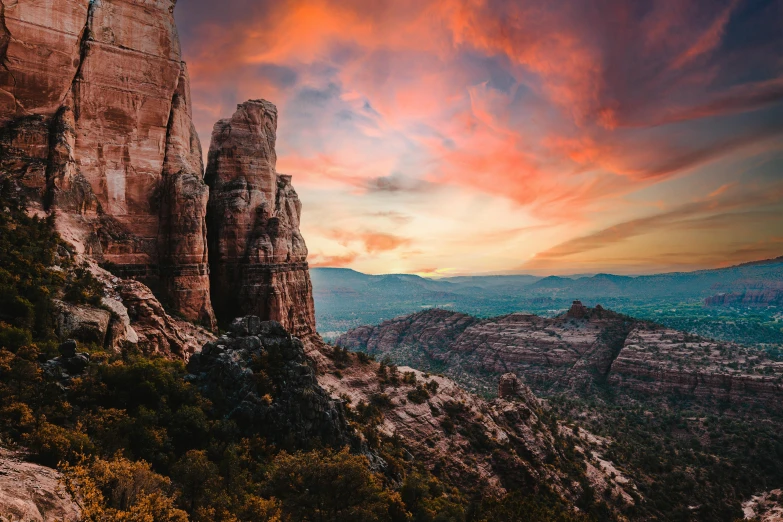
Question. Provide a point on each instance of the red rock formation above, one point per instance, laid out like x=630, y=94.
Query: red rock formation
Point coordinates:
x=508, y=387
x=566, y=352
x=258, y=259
x=95, y=116
x=750, y=294
x=577, y=310
x=95, y=123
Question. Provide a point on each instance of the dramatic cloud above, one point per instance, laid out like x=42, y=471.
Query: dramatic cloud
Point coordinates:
x=519, y=126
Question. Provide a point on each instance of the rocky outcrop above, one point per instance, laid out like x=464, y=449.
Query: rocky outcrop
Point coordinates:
x=96, y=125
x=88, y=324
x=567, y=352
x=547, y=352
x=764, y=507
x=70, y=362
x=259, y=376
x=258, y=259
x=95, y=117
x=577, y=310
x=32, y=493
x=508, y=388
x=182, y=232
x=157, y=332
x=657, y=361
x=754, y=294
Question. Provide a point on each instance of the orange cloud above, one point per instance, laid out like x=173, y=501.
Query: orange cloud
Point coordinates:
x=374, y=242
x=339, y=261
x=564, y=109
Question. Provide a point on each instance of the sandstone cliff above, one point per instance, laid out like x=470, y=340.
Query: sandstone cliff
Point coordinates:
x=258, y=259
x=750, y=294
x=94, y=101
x=96, y=126
x=581, y=349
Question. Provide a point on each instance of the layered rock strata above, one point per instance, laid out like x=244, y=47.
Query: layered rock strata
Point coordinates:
x=95, y=115
x=257, y=256
x=598, y=347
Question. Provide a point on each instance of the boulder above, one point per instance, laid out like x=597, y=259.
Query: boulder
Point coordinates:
x=87, y=324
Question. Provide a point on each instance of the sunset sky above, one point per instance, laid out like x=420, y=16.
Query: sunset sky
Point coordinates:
x=446, y=137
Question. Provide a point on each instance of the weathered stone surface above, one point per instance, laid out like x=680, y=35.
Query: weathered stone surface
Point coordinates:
x=122, y=99
x=182, y=236
x=33, y=493
x=259, y=376
x=84, y=323
x=96, y=123
x=258, y=259
x=764, y=507
x=40, y=53
x=157, y=331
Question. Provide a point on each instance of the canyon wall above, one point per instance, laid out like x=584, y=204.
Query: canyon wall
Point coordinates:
x=579, y=350
x=96, y=126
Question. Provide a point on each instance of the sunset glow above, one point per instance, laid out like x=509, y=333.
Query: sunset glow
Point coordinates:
x=446, y=137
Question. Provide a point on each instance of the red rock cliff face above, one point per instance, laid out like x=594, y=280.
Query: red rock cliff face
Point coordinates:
x=258, y=258
x=96, y=125
x=95, y=109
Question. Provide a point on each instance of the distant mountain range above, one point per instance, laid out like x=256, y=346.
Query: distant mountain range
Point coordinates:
x=345, y=298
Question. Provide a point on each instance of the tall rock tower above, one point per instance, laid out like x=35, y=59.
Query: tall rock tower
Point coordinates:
x=96, y=125
x=258, y=258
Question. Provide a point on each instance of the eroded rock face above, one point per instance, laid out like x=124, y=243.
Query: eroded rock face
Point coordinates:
x=750, y=293
x=567, y=352
x=259, y=375
x=88, y=324
x=96, y=123
x=258, y=259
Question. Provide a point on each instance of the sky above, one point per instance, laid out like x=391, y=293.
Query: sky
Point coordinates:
x=447, y=137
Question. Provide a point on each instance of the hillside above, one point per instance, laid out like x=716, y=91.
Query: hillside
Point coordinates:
x=694, y=423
